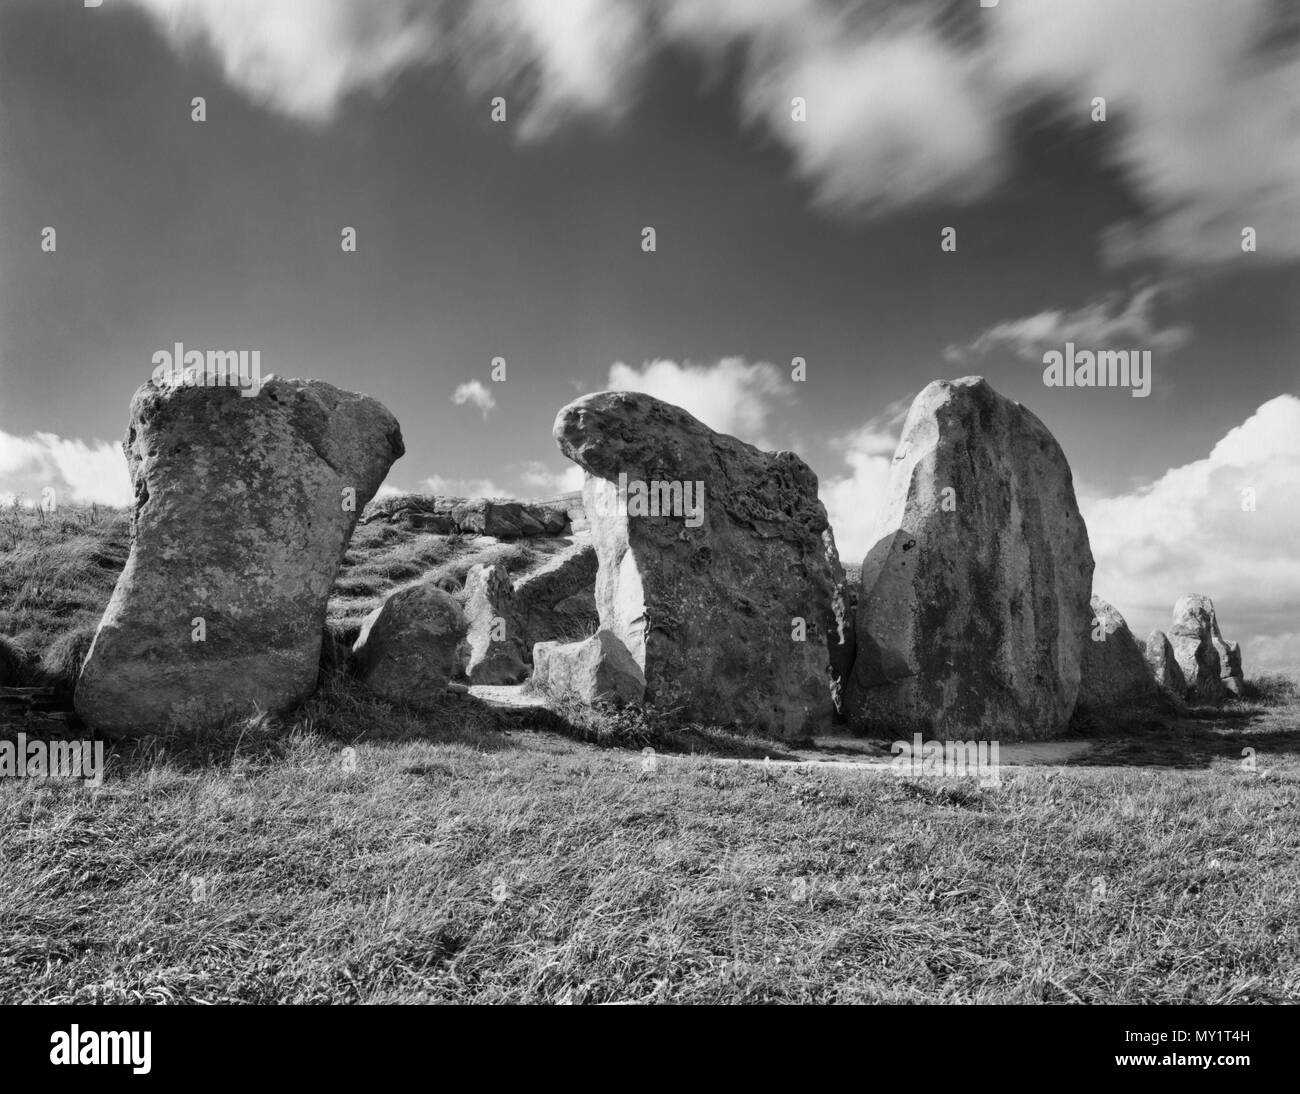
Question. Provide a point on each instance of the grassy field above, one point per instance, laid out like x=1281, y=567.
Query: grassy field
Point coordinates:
x=356, y=852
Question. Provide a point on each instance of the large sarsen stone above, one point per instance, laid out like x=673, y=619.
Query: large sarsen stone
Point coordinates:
x=974, y=604
x=716, y=566
x=244, y=507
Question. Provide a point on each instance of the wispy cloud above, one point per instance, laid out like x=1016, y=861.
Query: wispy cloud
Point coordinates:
x=906, y=102
x=474, y=393
x=538, y=477
x=1108, y=323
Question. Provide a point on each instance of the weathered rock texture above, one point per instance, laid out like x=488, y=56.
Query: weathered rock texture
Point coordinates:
x=244, y=507
x=496, y=652
x=1114, y=672
x=713, y=613
x=597, y=670
x=557, y=601
x=476, y=516
x=1211, y=666
x=1163, y=665
x=974, y=606
x=409, y=647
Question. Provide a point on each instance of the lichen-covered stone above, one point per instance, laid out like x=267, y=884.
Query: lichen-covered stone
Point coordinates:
x=409, y=646
x=1163, y=665
x=1211, y=666
x=1114, y=671
x=974, y=604
x=735, y=612
x=244, y=507
x=598, y=669
x=557, y=601
x=496, y=654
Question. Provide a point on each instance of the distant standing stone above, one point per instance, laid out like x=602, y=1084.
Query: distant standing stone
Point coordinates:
x=1211, y=666
x=495, y=644
x=1114, y=671
x=1164, y=665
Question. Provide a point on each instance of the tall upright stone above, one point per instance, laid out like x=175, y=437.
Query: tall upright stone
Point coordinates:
x=974, y=604
x=716, y=566
x=243, y=509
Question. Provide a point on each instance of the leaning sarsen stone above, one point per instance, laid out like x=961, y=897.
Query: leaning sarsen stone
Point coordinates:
x=735, y=611
x=244, y=507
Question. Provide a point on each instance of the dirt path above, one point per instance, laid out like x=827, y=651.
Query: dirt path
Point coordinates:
x=507, y=696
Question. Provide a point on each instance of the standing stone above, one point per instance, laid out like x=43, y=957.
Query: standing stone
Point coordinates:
x=597, y=670
x=714, y=564
x=1163, y=665
x=409, y=647
x=974, y=606
x=1211, y=666
x=495, y=645
x=1114, y=672
x=557, y=601
x=243, y=509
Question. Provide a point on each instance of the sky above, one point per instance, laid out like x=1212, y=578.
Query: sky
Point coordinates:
x=801, y=163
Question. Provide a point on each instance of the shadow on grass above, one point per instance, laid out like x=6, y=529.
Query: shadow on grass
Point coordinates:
x=636, y=727
x=1195, y=740
x=342, y=712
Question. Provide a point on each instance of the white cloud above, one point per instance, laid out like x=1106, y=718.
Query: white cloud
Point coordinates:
x=462, y=488
x=904, y=104
x=730, y=396
x=79, y=473
x=1187, y=532
x=580, y=56
x=891, y=121
x=537, y=476
x=1108, y=323
x=474, y=393
x=299, y=63
x=853, y=501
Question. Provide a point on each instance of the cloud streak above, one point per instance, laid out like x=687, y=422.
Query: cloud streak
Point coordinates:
x=904, y=103
x=1108, y=323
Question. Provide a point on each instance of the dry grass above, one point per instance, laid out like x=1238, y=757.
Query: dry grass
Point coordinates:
x=383, y=557
x=57, y=572
x=469, y=857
